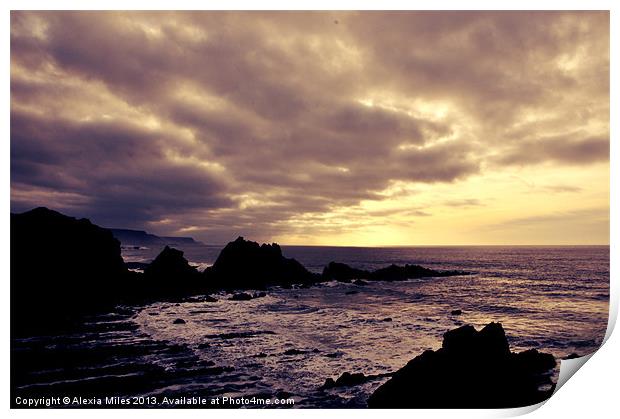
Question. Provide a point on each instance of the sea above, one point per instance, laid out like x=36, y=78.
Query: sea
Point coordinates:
x=282, y=347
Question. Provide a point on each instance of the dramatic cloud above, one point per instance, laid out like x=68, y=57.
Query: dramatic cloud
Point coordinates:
x=297, y=125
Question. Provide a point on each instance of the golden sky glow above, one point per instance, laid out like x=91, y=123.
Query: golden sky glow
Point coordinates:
x=338, y=128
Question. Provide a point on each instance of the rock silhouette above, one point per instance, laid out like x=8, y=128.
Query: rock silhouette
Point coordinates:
x=170, y=263
x=241, y=296
x=348, y=379
x=245, y=264
x=79, y=269
x=344, y=273
x=61, y=266
x=472, y=369
x=170, y=274
x=345, y=380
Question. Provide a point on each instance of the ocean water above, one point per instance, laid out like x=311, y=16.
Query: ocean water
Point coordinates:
x=286, y=344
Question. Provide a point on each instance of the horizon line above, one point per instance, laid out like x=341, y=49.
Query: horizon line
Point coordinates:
x=421, y=245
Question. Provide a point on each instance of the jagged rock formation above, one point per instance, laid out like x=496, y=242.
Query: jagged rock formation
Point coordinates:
x=170, y=274
x=245, y=264
x=62, y=267
x=344, y=273
x=471, y=370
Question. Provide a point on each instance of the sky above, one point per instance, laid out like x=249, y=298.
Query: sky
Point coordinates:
x=317, y=128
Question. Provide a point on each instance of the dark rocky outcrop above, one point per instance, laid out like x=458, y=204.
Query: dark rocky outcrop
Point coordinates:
x=245, y=264
x=241, y=296
x=344, y=273
x=348, y=379
x=179, y=321
x=345, y=380
x=171, y=269
x=170, y=275
x=139, y=266
x=61, y=266
x=472, y=369
x=294, y=352
x=456, y=312
x=244, y=296
x=170, y=263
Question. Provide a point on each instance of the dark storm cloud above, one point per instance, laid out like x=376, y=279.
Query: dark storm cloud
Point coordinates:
x=119, y=168
x=219, y=122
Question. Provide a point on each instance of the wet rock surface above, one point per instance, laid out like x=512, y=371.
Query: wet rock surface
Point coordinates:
x=127, y=363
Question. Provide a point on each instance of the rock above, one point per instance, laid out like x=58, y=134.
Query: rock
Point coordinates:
x=329, y=383
x=178, y=321
x=245, y=264
x=61, y=267
x=170, y=267
x=334, y=355
x=533, y=361
x=456, y=312
x=240, y=335
x=344, y=273
x=360, y=282
x=472, y=369
x=241, y=296
x=335, y=271
x=387, y=319
x=259, y=294
x=348, y=379
x=572, y=356
x=294, y=352
x=139, y=266
x=209, y=299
